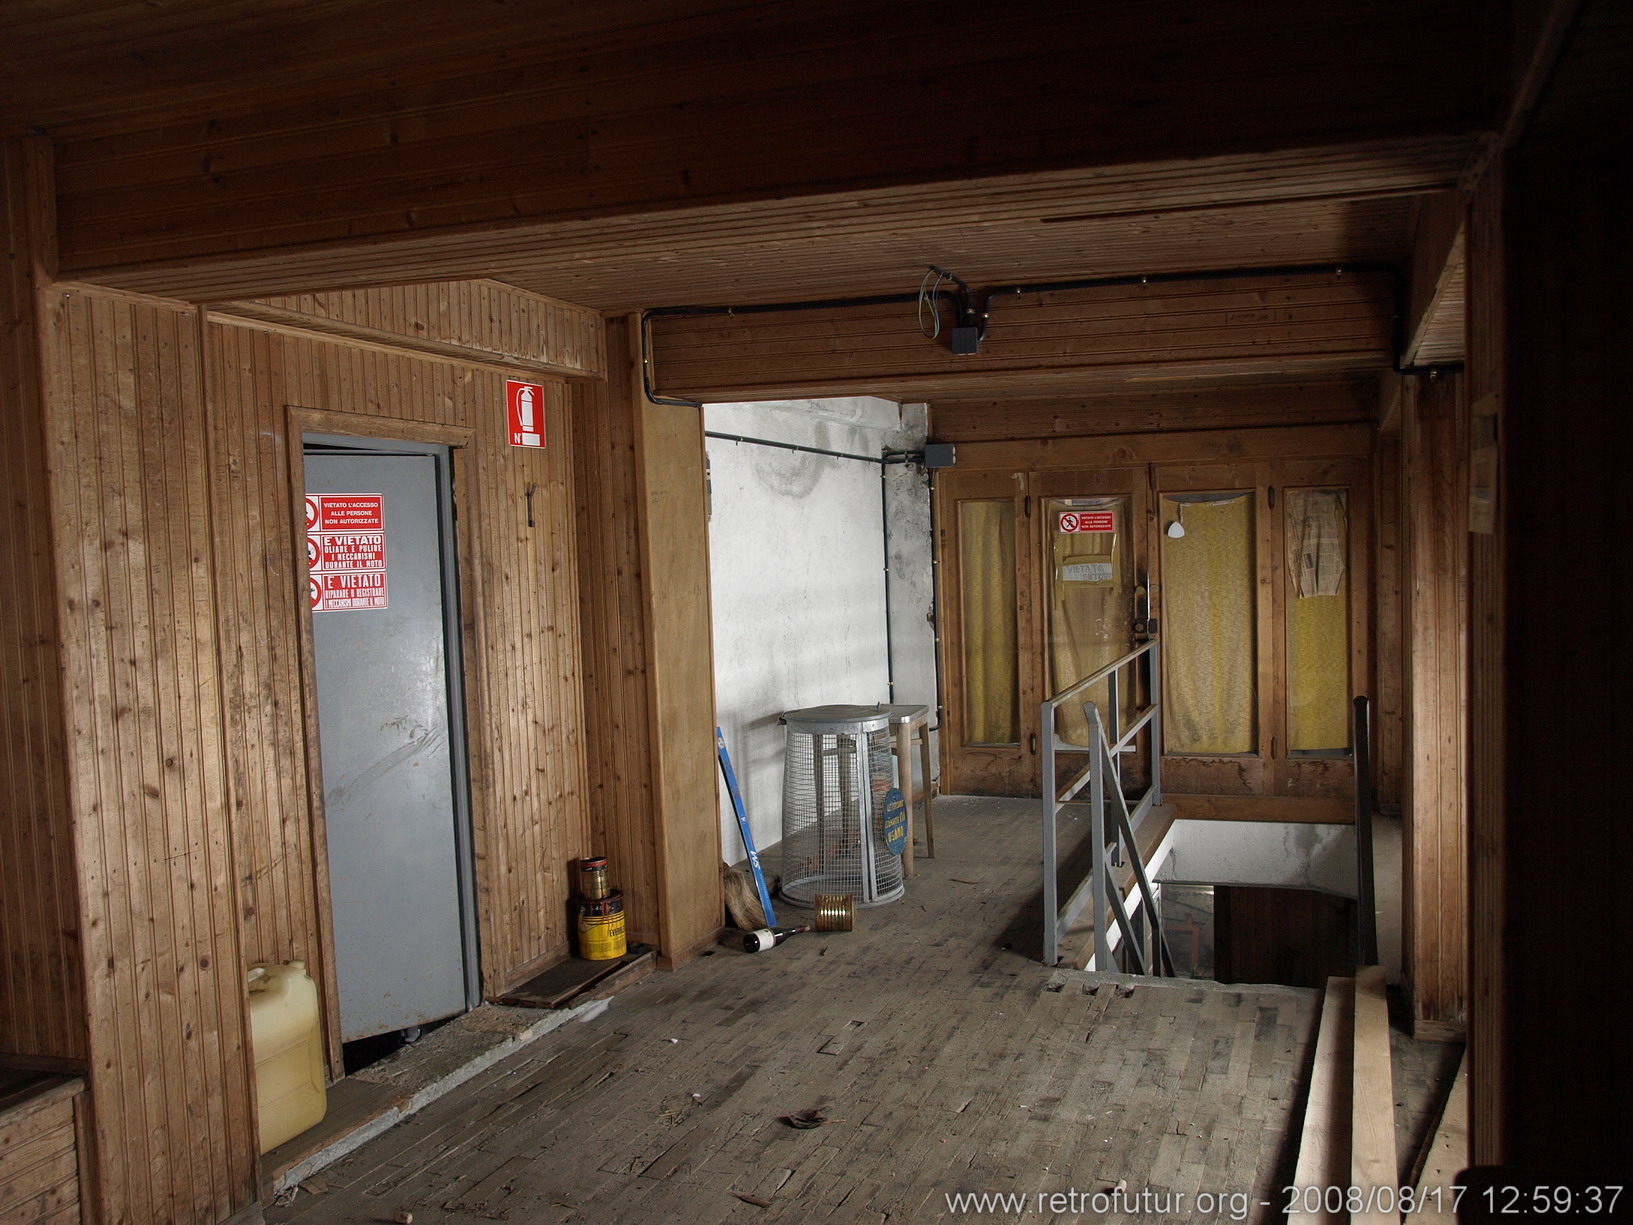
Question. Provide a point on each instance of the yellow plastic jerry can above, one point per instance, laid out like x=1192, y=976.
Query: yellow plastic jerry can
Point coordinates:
x=288, y=1045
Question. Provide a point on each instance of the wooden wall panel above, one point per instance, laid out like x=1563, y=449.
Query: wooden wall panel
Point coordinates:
x=613, y=616
x=674, y=521
x=470, y=321
x=1436, y=282
x=1434, y=488
x=521, y=609
x=1488, y=817
x=41, y=974
x=169, y=1069
x=649, y=685
x=1267, y=325
x=1389, y=704
x=995, y=419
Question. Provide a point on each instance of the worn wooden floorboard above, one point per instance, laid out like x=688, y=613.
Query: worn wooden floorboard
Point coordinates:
x=946, y=1059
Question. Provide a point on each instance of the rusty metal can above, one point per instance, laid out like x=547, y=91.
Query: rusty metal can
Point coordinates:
x=593, y=881
x=835, y=912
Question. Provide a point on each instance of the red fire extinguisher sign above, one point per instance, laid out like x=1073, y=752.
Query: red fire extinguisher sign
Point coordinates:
x=526, y=413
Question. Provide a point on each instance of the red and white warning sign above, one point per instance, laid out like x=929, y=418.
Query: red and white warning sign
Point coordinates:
x=526, y=413
x=349, y=590
x=1088, y=521
x=346, y=551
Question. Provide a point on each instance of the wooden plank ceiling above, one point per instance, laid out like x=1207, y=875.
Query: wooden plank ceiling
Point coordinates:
x=639, y=153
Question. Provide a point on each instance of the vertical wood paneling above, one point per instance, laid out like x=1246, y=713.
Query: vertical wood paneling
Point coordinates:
x=535, y=819
x=472, y=320
x=1434, y=441
x=1487, y=347
x=521, y=611
x=169, y=1070
x=674, y=525
x=649, y=687
x=41, y=974
x=617, y=713
x=1388, y=720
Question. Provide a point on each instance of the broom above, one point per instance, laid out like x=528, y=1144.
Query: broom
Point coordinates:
x=742, y=899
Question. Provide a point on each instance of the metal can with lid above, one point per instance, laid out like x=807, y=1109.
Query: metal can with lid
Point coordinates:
x=593, y=881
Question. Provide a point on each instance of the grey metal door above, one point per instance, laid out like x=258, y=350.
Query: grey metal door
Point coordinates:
x=384, y=630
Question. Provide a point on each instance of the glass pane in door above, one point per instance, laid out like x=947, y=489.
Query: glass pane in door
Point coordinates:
x=1209, y=582
x=1318, y=642
x=1091, y=604
x=986, y=566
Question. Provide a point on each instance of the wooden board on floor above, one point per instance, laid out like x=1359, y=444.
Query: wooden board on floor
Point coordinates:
x=1447, y=1153
x=1372, y=1118
x=569, y=979
x=1323, y=1151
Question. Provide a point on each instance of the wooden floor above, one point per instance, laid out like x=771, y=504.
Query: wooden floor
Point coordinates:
x=944, y=1058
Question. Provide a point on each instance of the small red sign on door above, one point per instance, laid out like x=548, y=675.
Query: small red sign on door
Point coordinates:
x=346, y=551
x=350, y=590
x=346, y=512
x=526, y=413
x=1088, y=521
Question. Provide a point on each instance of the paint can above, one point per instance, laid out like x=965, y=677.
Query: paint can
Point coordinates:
x=835, y=912
x=601, y=927
x=592, y=878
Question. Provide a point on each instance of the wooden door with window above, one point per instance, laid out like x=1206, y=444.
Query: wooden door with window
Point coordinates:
x=1256, y=576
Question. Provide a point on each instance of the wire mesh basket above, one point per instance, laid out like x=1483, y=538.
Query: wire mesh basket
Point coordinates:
x=837, y=772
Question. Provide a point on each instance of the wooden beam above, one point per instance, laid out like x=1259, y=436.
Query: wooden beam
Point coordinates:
x=1118, y=411
x=1204, y=447
x=1435, y=307
x=669, y=107
x=466, y=321
x=1313, y=810
x=1173, y=329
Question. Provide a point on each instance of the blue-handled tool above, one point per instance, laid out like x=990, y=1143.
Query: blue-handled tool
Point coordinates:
x=742, y=825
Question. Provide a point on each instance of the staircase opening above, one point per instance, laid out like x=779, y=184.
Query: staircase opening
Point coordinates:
x=1259, y=934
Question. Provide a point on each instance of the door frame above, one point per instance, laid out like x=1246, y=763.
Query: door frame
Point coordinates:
x=373, y=432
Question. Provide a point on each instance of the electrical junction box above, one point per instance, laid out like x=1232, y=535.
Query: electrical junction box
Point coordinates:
x=939, y=454
x=965, y=342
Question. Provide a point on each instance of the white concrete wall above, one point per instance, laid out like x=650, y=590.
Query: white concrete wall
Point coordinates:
x=797, y=566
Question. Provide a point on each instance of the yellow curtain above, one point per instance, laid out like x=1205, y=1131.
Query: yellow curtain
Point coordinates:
x=1208, y=626
x=1091, y=612
x=1318, y=679
x=986, y=533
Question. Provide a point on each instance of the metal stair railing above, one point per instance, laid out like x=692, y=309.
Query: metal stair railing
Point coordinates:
x=1103, y=777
